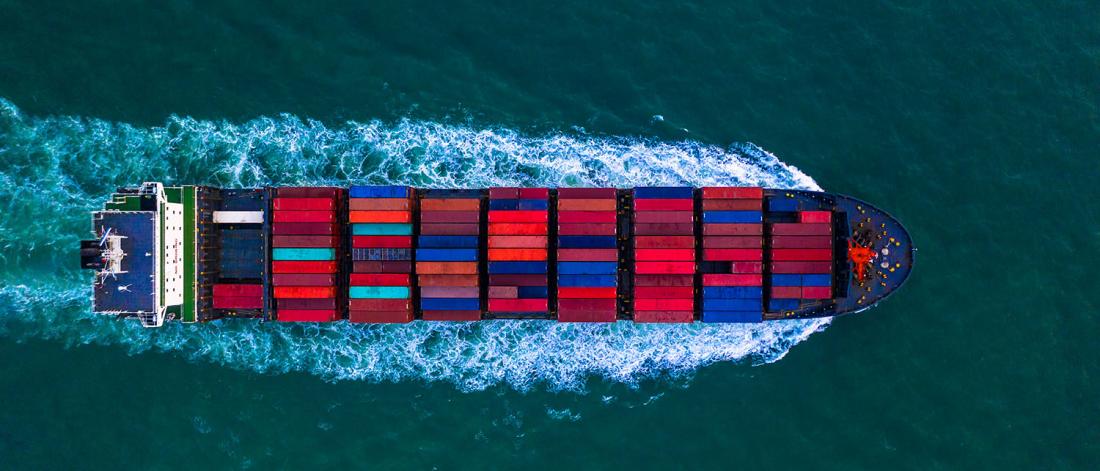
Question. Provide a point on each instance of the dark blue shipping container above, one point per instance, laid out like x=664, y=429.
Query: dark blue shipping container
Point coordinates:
x=379, y=192
x=532, y=205
x=587, y=281
x=586, y=242
x=517, y=267
x=732, y=217
x=446, y=255
x=786, y=280
x=664, y=192
x=782, y=204
x=532, y=291
x=381, y=254
x=722, y=304
x=241, y=234
x=447, y=241
x=587, y=268
x=450, y=304
x=817, y=280
x=503, y=205
x=749, y=292
x=732, y=316
x=775, y=305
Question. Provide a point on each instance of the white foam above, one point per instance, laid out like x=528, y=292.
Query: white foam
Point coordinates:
x=58, y=168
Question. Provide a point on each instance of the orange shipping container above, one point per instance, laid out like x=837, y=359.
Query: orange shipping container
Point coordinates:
x=513, y=242
x=587, y=205
x=446, y=268
x=517, y=254
x=450, y=204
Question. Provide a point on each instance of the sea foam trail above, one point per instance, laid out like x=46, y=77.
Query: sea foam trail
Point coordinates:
x=53, y=170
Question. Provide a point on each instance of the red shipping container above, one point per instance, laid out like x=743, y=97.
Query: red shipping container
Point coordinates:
x=517, y=216
x=305, y=292
x=286, y=266
x=446, y=268
x=732, y=242
x=733, y=254
x=379, y=204
x=366, y=267
x=517, y=280
x=308, y=304
x=664, y=291
x=664, y=229
x=379, y=279
x=786, y=292
x=726, y=192
x=610, y=205
x=299, y=279
x=503, y=292
x=448, y=229
x=517, y=305
x=303, y=204
x=303, y=228
x=380, y=317
x=315, y=241
x=589, y=293
x=571, y=217
x=664, y=242
x=664, y=254
x=588, y=255
x=238, y=302
x=231, y=290
x=722, y=279
x=396, y=266
x=449, y=292
x=815, y=216
x=802, y=242
x=733, y=229
x=587, y=193
x=802, y=254
x=305, y=315
x=517, y=229
x=304, y=216
x=380, y=217
x=587, y=304
x=664, y=280
x=531, y=255
x=587, y=316
x=503, y=193
x=357, y=304
x=381, y=242
x=447, y=280
x=733, y=205
x=460, y=217
x=508, y=242
x=660, y=217
x=534, y=193
x=747, y=267
x=801, y=229
x=662, y=268
x=678, y=317
x=817, y=292
x=451, y=315
x=664, y=304
x=645, y=204
x=802, y=267
x=306, y=192
x=587, y=229
x=450, y=204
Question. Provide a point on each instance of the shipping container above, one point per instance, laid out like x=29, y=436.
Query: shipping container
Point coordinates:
x=303, y=204
x=517, y=229
x=733, y=205
x=379, y=279
x=303, y=254
x=307, y=304
x=517, y=267
x=366, y=304
x=663, y=192
x=732, y=242
x=446, y=268
x=304, y=292
x=447, y=280
x=748, y=255
x=379, y=204
x=815, y=216
x=503, y=193
x=664, y=291
x=303, y=279
x=448, y=241
x=518, y=216
x=303, y=267
x=786, y=292
x=664, y=205
x=449, y=205
x=238, y=302
x=801, y=229
x=664, y=242
x=727, y=192
x=587, y=229
x=664, y=280
x=588, y=255
x=587, y=268
x=449, y=291
x=304, y=216
x=450, y=304
x=456, y=217
x=381, y=242
x=583, y=293
x=733, y=292
x=518, y=254
x=503, y=292
x=664, y=254
x=378, y=292
x=782, y=204
x=660, y=217
x=587, y=193
x=507, y=279
x=380, y=317
x=663, y=229
x=776, y=305
x=451, y=315
x=303, y=228
x=609, y=205
x=747, y=267
x=449, y=229
x=402, y=217
x=587, y=242
x=817, y=292
x=721, y=279
x=320, y=241
x=534, y=193
x=517, y=305
x=381, y=191
x=664, y=316
x=306, y=192
x=733, y=229
x=506, y=241
x=732, y=316
x=664, y=304
x=802, y=254
x=733, y=304
x=587, y=316
x=381, y=229
x=587, y=304
x=802, y=242
x=660, y=268
x=446, y=255
x=802, y=267
x=305, y=315
x=587, y=217
x=232, y=290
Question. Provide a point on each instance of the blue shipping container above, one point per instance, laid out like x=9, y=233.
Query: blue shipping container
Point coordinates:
x=446, y=255
x=586, y=242
x=732, y=316
x=587, y=268
x=817, y=280
x=712, y=304
x=450, y=304
x=392, y=191
x=587, y=281
x=664, y=192
x=503, y=205
x=447, y=241
x=776, y=305
x=749, y=292
x=779, y=203
x=512, y=268
x=532, y=292
x=786, y=280
x=532, y=205
x=732, y=217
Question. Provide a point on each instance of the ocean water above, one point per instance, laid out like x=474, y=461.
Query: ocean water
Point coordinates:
x=977, y=125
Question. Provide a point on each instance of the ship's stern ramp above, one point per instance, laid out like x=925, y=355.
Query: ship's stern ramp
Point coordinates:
x=875, y=252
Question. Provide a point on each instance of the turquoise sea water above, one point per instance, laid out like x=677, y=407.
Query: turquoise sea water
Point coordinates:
x=975, y=124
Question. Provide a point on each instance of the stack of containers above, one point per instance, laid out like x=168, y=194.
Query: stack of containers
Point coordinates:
x=379, y=287
x=238, y=296
x=518, y=219
x=588, y=255
x=733, y=236
x=305, y=240
x=447, y=255
x=801, y=260
x=664, y=254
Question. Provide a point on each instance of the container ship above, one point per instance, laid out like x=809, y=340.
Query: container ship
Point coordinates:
x=396, y=254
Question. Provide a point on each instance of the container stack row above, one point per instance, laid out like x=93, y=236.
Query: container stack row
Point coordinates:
x=664, y=254
x=305, y=241
x=733, y=242
x=380, y=283
x=588, y=255
x=801, y=260
x=518, y=244
x=447, y=255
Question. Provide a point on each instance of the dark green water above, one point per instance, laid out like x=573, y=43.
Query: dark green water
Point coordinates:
x=976, y=124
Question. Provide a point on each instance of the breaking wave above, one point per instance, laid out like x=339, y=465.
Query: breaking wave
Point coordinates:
x=54, y=170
